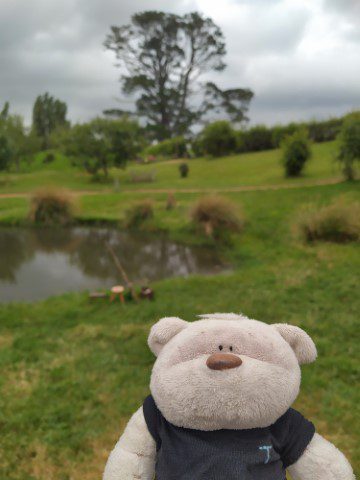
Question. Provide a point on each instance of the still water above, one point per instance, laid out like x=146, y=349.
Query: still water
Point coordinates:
x=38, y=263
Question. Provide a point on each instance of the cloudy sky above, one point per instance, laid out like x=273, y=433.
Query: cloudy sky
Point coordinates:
x=300, y=57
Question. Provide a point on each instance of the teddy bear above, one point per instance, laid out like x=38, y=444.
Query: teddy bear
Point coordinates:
x=220, y=407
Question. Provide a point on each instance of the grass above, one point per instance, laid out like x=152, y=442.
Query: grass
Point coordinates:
x=73, y=371
x=259, y=168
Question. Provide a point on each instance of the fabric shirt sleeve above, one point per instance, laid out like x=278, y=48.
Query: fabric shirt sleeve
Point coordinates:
x=151, y=415
x=291, y=434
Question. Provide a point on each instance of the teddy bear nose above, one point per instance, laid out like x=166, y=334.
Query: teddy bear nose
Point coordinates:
x=223, y=361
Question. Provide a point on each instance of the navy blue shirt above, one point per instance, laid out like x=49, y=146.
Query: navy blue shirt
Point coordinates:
x=254, y=454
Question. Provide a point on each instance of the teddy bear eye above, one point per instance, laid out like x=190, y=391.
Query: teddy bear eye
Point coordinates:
x=220, y=347
x=231, y=349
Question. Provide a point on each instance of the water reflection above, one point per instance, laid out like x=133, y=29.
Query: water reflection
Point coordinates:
x=36, y=263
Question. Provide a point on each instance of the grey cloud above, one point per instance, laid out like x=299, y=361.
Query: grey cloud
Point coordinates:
x=53, y=46
x=57, y=47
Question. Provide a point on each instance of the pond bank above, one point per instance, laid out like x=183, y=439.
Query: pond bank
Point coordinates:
x=41, y=262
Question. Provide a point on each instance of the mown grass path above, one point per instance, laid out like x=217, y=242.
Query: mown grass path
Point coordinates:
x=243, y=188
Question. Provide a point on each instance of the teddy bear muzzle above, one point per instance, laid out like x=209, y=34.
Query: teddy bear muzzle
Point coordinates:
x=223, y=361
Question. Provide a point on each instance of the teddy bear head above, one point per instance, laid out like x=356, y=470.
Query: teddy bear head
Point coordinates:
x=226, y=371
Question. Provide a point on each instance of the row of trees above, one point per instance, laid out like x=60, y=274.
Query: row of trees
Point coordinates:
x=101, y=143
x=221, y=138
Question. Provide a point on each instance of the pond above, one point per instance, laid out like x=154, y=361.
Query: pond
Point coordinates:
x=38, y=263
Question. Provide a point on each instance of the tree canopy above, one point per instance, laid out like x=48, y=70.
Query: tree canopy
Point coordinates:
x=17, y=141
x=102, y=143
x=163, y=55
x=49, y=113
x=349, y=144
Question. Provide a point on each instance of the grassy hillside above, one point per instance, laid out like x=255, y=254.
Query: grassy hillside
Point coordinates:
x=260, y=168
x=74, y=371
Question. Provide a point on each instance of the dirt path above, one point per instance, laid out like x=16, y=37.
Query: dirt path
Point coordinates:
x=243, y=188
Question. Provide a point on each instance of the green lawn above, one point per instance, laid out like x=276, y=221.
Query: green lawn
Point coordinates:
x=260, y=168
x=74, y=371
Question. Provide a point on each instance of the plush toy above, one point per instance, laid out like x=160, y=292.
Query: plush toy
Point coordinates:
x=220, y=407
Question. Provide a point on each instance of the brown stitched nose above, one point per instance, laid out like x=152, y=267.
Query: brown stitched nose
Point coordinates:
x=223, y=361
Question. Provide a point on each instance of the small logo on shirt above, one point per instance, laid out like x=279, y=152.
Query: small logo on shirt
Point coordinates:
x=266, y=449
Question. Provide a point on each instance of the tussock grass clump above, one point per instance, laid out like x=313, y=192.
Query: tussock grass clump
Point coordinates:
x=139, y=214
x=216, y=216
x=142, y=177
x=52, y=207
x=170, y=201
x=337, y=222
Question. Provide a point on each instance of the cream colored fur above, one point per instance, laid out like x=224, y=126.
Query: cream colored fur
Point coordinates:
x=133, y=457
x=255, y=394
x=321, y=461
x=191, y=395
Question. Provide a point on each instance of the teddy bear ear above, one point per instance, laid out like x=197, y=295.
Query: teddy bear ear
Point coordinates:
x=163, y=331
x=303, y=346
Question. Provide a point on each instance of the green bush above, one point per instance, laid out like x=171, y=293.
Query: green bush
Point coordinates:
x=197, y=147
x=218, y=138
x=318, y=131
x=349, y=145
x=52, y=207
x=171, y=148
x=255, y=139
x=184, y=170
x=324, y=131
x=337, y=222
x=49, y=158
x=142, y=177
x=139, y=213
x=279, y=132
x=216, y=216
x=170, y=201
x=5, y=152
x=296, y=152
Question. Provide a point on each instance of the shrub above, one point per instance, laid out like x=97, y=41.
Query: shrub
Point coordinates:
x=197, y=147
x=139, y=214
x=216, y=216
x=142, y=177
x=170, y=201
x=337, y=222
x=324, y=131
x=256, y=139
x=296, y=152
x=6, y=153
x=218, y=138
x=184, y=170
x=171, y=148
x=349, y=149
x=49, y=158
x=279, y=132
x=51, y=207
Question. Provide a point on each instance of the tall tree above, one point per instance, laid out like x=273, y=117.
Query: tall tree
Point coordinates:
x=5, y=111
x=19, y=141
x=163, y=55
x=49, y=113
